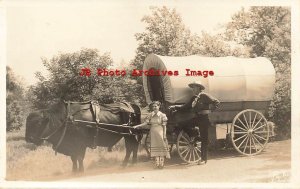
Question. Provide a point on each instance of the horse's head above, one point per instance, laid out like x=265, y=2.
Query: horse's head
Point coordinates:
x=42, y=123
x=135, y=118
x=36, y=124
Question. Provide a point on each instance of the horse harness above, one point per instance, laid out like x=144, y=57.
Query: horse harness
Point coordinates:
x=95, y=109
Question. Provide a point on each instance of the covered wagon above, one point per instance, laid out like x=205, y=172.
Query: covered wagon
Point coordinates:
x=244, y=86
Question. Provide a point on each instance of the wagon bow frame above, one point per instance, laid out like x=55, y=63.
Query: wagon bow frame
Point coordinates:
x=245, y=91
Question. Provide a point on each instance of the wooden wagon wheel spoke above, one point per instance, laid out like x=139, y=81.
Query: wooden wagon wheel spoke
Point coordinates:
x=198, y=157
x=246, y=121
x=240, y=127
x=187, y=140
x=262, y=132
x=253, y=121
x=194, y=154
x=246, y=145
x=240, y=132
x=197, y=148
x=240, y=138
x=185, y=150
x=182, y=142
x=258, y=142
x=242, y=123
x=260, y=137
x=186, y=153
x=249, y=120
x=264, y=125
x=257, y=123
x=190, y=152
x=242, y=142
x=254, y=143
x=250, y=144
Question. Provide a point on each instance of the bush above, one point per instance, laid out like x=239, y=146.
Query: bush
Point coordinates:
x=14, y=97
x=14, y=116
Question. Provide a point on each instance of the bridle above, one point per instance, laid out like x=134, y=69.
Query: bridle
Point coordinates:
x=70, y=119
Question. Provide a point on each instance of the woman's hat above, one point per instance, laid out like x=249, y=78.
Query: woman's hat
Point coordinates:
x=196, y=84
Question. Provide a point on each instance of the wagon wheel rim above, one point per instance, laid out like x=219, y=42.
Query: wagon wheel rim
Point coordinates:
x=188, y=149
x=249, y=132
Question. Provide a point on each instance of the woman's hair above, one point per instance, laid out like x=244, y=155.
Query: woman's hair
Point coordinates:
x=152, y=103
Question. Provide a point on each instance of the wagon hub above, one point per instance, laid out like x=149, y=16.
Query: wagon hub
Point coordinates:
x=250, y=131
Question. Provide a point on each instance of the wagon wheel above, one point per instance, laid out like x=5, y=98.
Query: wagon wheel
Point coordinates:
x=249, y=132
x=188, y=148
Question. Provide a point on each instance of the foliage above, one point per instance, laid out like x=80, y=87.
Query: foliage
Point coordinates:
x=267, y=31
x=14, y=97
x=65, y=82
x=166, y=35
x=217, y=46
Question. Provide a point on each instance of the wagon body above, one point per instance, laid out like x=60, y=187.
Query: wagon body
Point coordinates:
x=239, y=83
x=244, y=86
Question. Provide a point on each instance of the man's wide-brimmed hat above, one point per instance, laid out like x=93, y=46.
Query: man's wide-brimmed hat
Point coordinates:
x=196, y=84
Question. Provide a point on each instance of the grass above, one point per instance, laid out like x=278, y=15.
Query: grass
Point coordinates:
x=25, y=161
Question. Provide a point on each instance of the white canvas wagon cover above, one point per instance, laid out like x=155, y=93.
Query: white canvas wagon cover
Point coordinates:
x=234, y=79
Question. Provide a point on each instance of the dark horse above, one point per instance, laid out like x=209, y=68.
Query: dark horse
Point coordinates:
x=59, y=126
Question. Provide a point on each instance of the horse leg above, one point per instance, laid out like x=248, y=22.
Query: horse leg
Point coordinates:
x=135, y=146
x=128, y=152
x=74, y=161
x=80, y=159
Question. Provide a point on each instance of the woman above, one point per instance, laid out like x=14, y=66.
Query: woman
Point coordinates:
x=158, y=144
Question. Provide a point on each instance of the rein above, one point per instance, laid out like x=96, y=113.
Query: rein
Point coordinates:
x=69, y=118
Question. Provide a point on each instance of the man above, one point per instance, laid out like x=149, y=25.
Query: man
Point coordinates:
x=200, y=105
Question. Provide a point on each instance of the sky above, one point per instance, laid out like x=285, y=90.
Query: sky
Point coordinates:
x=43, y=29
x=36, y=29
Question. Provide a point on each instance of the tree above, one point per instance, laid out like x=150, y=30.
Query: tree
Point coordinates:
x=267, y=32
x=14, y=97
x=217, y=46
x=65, y=82
x=166, y=35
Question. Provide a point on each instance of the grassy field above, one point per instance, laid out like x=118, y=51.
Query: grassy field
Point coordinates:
x=26, y=161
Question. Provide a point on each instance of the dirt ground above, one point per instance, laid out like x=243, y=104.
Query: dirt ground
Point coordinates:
x=273, y=165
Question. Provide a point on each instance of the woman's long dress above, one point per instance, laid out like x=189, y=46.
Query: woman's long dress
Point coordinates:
x=158, y=147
